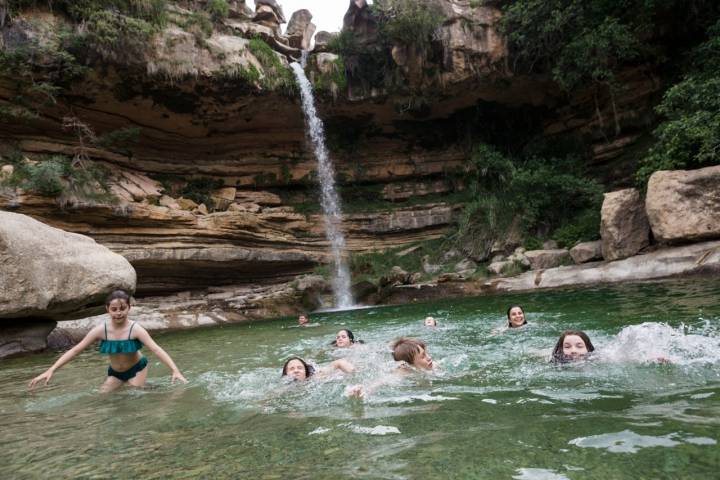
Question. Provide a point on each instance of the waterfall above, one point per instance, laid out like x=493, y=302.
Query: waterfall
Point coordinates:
x=329, y=198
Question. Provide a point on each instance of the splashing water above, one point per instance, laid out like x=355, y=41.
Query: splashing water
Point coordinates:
x=329, y=198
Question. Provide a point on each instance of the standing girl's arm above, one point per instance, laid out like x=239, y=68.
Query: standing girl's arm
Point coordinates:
x=91, y=336
x=145, y=337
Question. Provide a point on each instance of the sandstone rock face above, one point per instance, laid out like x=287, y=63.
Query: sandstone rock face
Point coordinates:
x=260, y=197
x=51, y=274
x=624, y=227
x=542, y=259
x=300, y=30
x=586, y=252
x=684, y=205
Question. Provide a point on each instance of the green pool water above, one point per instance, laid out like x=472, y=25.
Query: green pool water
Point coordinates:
x=494, y=409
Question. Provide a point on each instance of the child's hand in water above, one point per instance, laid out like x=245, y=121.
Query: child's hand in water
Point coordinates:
x=355, y=391
x=45, y=376
x=176, y=375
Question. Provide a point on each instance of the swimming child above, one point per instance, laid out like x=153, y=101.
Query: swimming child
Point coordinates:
x=345, y=338
x=430, y=322
x=413, y=352
x=516, y=316
x=121, y=340
x=299, y=369
x=573, y=345
x=303, y=321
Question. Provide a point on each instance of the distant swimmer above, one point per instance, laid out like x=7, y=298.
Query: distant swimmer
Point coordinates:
x=303, y=321
x=516, y=316
x=345, y=338
x=430, y=322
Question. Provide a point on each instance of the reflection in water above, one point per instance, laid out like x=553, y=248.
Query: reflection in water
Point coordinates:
x=495, y=407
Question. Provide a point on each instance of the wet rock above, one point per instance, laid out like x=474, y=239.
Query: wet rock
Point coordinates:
x=684, y=205
x=300, y=30
x=586, y=252
x=624, y=227
x=51, y=274
x=542, y=259
x=362, y=291
x=23, y=336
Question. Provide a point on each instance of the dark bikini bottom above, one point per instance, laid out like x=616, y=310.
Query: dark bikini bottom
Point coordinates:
x=130, y=372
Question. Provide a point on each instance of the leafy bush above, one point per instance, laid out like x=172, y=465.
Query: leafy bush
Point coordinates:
x=118, y=37
x=276, y=76
x=218, y=9
x=690, y=135
x=407, y=22
x=199, y=190
x=120, y=140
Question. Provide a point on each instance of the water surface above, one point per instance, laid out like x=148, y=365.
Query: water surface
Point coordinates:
x=495, y=409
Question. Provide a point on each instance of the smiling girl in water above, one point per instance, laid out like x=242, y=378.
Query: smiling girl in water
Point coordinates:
x=121, y=340
x=571, y=346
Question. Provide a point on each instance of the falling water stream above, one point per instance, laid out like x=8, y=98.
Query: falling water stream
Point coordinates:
x=329, y=198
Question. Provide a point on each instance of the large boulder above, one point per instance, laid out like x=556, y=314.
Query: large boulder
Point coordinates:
x=542, y=259
x=322, y=40
x=684, y=205
x=300, y=30
x=586, y=252
x=18, y=337
x=53, y=275
x=624, y=227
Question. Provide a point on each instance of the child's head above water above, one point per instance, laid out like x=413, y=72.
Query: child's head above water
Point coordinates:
x=117, y=305
x=516, y=316
x=572, y=345
x=430, y=322
x=296, y=368
x=412, y=351
x=344, y=338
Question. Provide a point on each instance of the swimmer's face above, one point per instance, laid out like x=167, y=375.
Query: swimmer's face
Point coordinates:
x=118, y=310
x=423, y=360
x=296, y=369
x=342, y=339
x=574, y=347
x=516, y=317
x=430, y=322
x=302, y=320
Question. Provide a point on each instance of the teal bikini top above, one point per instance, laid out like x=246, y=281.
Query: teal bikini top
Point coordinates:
x=112, y=347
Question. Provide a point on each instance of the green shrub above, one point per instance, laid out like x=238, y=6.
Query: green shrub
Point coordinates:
x=276, y=76
x=199, y=190
x=120, y=140
x=584, y=228
x=690, y=135
x=407, y=22
x=218, y=9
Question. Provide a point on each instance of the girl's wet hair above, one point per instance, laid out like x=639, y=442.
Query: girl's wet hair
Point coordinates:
x=558, y=356
x=309, y=370
x=510, y=325
x=117, y=294
x=350, y=336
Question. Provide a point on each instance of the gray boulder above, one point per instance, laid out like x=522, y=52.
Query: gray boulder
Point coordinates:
x=624, y=227
x=542, y=259
x=684, y=205
x=586, y=252
x=54, y=275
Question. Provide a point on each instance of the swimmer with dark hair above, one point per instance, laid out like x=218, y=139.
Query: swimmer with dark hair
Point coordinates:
x=572, y=345
x=516, y=316
x=345, y=338
x=299, y=370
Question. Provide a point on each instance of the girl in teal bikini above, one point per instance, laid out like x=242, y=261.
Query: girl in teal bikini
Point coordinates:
x=121, y=341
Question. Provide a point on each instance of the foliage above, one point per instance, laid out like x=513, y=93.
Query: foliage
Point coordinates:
x=584, y=228
x=534, y=195
x=219, y=9
x=373, y=265
x=333, y=81
x=120, y=140
x=118, y=37
x=276, y=76
x=60, y=176
x=407, y=22
x=199, y=190
x=690, y=135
